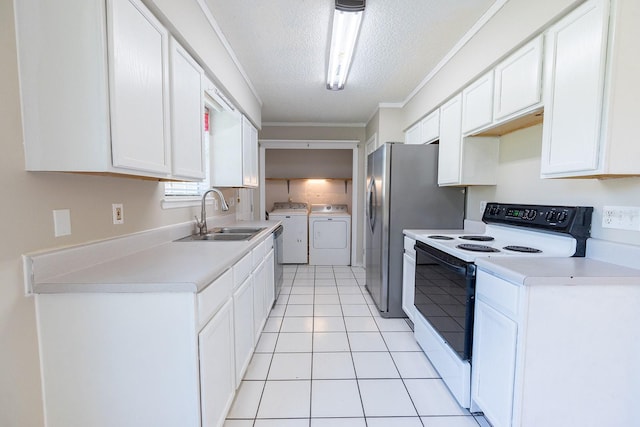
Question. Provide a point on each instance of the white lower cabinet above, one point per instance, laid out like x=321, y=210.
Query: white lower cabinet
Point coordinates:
x=408, y=277
x=161, y=359
x=217, y=370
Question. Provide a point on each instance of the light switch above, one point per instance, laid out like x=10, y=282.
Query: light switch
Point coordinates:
x=62, y=222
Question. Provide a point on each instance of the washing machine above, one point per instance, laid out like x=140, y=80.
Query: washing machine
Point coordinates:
x=295, y=219
x=329, y=235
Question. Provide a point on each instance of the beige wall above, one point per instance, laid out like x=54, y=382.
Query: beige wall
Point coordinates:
x=519, y=182
x=26, y=225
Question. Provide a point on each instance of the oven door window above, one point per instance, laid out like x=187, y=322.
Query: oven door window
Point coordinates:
x=444, y=295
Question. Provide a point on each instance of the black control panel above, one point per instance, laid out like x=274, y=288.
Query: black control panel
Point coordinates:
x=572, y=220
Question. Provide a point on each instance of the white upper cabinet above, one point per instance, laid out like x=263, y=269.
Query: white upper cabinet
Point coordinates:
x=575, y=57
x=425, y=131
x=187, y=112
x=94, y=83
x=477, y=103
x=234, y=151
x=590, y=120
x=138, y=47
x=518, y=82
x=464, y=161
x=412, y=135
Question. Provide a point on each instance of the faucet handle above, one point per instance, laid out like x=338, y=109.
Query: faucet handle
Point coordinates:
x=200, y=224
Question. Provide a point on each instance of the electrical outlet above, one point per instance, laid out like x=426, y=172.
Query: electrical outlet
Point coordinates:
x=621, y=217
x=61, y=222
x=118, y=213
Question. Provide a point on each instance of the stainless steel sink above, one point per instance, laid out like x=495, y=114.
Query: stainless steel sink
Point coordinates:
x=224, y=234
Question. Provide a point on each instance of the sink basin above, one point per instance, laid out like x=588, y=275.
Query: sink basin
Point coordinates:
x=224, y=234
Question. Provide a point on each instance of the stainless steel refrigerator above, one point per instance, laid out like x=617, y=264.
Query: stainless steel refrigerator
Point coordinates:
x=402, y=193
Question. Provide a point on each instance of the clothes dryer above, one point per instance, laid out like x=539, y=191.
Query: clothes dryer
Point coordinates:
x=295, y=218
x=330, y=235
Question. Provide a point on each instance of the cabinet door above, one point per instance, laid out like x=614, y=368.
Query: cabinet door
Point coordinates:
x=243, y=327
x=575, y=57
x=408, y=284
x=249, y=154
x=518, y=81
x=477, y=104
x=412, y=135
x=187, y=113
x=450, y=140
x=494, y=364
x=259, y=312
x=430, y=127
x=217, y=374
x=139, y=88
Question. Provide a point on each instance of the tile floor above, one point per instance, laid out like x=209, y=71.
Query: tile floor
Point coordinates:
x=327, y=358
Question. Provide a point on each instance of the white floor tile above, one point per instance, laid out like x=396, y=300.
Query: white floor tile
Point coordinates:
x=393, y=325
x=272, y=324
x=326, y=290
x=258, y=367
x=401, y=341
x=328, y=324
x=385, y=398
x=332, y=366
x=456, y=421
x=278, y=310
x=289, y=422
x=394, y=421
x=325, y=282
x=238, y=423
x=247, y=399
x=432, y=397
x=344, y=274
x=300, y=299
x=266, y=343
x=414, y=364
x=327, y=299
x=298, y=342
x=325, y=275
x=299, y=310
x=360, y=324
x=356, y=310
x=374, y=310
x=325, y=310
x=290, y=366
x=352, y=299
x=349, y=290
x=305, y=281
x=297, y=324
x=374, y=365
x=347, y=282
x=285, y=399
x=330, y=341
x=302, y=290
x=338, y=422
x=366, y=341
x=335, y=398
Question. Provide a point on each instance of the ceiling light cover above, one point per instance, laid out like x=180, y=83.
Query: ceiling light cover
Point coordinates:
x=346, y=25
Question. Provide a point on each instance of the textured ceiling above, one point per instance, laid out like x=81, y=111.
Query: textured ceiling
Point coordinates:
x=282, y=45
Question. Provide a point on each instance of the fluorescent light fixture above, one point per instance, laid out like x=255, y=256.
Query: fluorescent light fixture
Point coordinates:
x=346, y=25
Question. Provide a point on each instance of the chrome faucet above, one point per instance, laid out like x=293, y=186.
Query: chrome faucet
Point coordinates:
x=202, y=222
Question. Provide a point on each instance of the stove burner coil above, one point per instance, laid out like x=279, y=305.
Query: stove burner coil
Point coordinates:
x=525, y=249
x=477, y=248
x=438, y=237
x=477, y=238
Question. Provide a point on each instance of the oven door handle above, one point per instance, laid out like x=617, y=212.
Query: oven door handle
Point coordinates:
x=460, y=269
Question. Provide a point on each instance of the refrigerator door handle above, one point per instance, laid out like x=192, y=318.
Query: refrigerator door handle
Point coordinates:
x=373, y=202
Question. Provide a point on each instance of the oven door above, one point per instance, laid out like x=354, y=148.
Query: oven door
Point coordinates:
x=444, y=295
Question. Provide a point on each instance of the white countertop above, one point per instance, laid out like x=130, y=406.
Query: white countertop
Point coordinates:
x=167, y=267
x=559, y=271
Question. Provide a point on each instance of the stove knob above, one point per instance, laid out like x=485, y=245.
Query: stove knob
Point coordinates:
x=532, y=214
x=562, y=216
x=551, y=216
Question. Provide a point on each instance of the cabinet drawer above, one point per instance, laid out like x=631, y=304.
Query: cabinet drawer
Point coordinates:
x=257, y=254
x=498, y=293
x=268, y=243
x=213, y=296
x=241, y=270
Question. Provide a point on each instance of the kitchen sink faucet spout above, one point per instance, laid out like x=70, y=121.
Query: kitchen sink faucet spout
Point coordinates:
x=202, y=222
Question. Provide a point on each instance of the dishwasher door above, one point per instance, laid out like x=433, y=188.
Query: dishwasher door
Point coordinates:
x=278, y=269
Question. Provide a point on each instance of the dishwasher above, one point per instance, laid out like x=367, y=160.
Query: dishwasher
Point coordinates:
x=278, y=269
